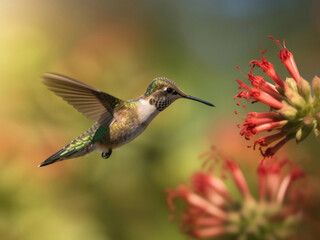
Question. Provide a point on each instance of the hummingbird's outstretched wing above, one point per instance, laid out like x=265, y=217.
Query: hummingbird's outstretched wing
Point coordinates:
x=91, y=102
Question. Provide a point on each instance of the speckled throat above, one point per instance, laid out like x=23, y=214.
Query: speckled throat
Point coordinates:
x=161, y=103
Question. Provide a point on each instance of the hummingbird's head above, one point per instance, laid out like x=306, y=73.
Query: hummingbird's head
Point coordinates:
x=161, y=92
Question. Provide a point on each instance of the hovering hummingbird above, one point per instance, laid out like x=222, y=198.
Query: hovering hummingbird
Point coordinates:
x=117, y=122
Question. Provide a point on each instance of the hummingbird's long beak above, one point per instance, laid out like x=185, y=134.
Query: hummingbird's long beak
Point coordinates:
x=198, y=100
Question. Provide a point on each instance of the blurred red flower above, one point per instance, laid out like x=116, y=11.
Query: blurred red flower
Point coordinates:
x=213, y=209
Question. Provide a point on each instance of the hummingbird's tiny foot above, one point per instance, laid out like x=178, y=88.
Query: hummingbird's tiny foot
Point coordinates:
x=106, y=155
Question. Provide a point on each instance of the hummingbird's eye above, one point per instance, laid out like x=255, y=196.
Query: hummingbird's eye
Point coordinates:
x=169, y=90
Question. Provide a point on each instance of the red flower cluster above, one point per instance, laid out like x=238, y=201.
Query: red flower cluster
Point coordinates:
x=212, y=209
x=294, y=113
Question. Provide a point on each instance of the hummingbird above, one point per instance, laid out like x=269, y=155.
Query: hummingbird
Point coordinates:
x=117, y=122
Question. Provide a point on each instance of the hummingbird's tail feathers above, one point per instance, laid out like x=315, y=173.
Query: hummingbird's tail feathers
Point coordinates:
x=80, y=146
x=58, y=156
x=68, y=152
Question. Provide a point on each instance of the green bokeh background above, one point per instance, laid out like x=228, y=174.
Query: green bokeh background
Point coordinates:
x=119, y=47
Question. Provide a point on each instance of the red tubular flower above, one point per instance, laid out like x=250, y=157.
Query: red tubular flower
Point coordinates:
x=262, y=177
x=293, y=111
x=206, y=217
x=211, y=186
x=268, y=68
x=259, y=122
x=258, y=95
x=265, y=141
x=259, y=82
x=288, y=60
x=287, y=181
x=238, y=178
x=197, y=203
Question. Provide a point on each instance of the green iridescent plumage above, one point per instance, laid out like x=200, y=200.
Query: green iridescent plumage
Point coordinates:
x=100, y=133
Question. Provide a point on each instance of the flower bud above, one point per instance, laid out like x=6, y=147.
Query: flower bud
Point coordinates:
x=295, y=99
x=292, y=84
x=316, y=88
x=308, y=120
x=303, y=132
x=309, y=124
x=304, y=89
x=288, y=112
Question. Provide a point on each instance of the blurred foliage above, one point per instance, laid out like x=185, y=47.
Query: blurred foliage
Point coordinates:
x=119, y=47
